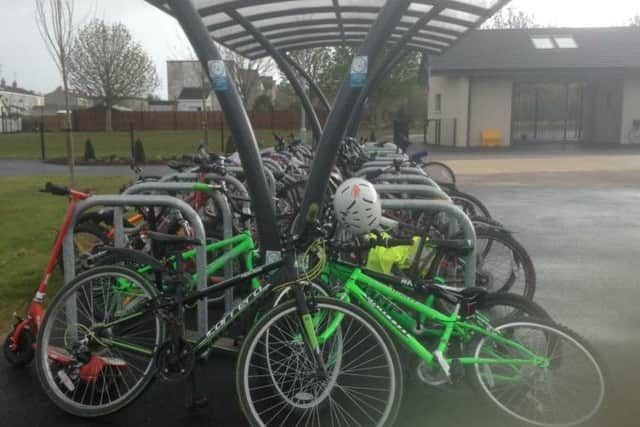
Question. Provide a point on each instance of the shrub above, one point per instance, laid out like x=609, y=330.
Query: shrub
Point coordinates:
x=138, y=152
x=89, y=152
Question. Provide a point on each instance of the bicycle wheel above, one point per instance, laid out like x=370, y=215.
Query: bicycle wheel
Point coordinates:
x=440, y=173
x=500, y=307
x=503, y=265
x=362, y=385
x=566, y=387
x=471, y=205
x=87, y=238
x=97, y=342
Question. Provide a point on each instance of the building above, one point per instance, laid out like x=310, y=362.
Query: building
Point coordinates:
x=55, y=101
x=16, y=100
x=189, y=76
x=531, y=86
x=162, y=105
x=195, y=99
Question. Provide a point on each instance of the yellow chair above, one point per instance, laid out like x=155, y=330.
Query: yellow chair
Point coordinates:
x=492, y=138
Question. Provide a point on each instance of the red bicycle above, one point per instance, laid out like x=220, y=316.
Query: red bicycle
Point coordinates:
x=19, y=346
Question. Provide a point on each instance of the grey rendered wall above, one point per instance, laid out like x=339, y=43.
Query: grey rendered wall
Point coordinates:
x=491, y=105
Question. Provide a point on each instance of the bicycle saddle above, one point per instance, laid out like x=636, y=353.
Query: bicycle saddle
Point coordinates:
x=173, y=242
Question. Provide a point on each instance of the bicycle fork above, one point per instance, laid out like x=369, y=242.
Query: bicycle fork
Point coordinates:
x=312, y=343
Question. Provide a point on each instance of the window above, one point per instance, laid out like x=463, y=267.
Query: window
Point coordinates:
x=555, y=42
x=438, y=103
x=542, y=42
x=565, y=42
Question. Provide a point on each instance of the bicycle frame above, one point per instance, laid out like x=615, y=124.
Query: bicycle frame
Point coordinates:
x=35, y=313
x=355, y=288
x=241, y=245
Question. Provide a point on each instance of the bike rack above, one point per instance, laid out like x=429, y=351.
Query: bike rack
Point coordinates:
x=452, y=210
x=232, y=180
x=407, y=179
x=221, y=201
x=121, y=201
x=417, y=190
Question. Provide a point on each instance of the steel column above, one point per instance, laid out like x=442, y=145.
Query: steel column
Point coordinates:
x=327, y=149
x=236, y=116
x=285, y=67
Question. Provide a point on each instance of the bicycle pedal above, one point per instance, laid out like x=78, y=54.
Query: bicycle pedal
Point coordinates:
x=446, y=368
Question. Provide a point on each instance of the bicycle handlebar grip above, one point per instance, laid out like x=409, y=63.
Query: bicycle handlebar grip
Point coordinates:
x=56, y=190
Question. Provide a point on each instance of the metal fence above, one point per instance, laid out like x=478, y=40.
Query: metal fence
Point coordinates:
x=170, y=120
x=10, y=123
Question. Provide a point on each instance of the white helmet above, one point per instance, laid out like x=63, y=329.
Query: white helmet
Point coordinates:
x=357, y=206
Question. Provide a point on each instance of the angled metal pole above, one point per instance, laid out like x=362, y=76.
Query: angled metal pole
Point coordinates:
x=312, y=84
x=285, y=67
x=327, y=149
x=236, y=116
x=384, y=67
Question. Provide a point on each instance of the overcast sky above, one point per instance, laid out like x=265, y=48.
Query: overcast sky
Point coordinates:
x=23, y=54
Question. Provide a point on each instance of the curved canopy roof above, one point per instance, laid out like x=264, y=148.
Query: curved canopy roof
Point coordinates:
x=302, y=24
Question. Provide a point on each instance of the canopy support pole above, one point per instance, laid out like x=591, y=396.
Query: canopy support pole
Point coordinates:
x=238, y=120
x=327, y=149
x=285, y=67
x=312, y=84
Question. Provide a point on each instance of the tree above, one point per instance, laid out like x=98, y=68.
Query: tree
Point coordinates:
x=510, y=17
x=54, y=19
x=109, y=66
x=316, y=62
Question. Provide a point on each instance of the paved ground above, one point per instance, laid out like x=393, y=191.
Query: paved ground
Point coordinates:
x=35, y=167
x=582, y=230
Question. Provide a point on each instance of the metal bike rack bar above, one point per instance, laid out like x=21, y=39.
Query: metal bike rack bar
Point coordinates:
x=415, y=190
x=406, y=179
x=463, y=220
x=404, y=171
x=121, y=201
x=230, y=179
x=221, y=201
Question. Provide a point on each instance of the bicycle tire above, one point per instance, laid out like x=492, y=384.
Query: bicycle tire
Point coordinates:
x=248, y=400
x=440, y=173
x=88, y=229
x=52, y=384
x=555, y=339
x=471, y=205
x=492, y=236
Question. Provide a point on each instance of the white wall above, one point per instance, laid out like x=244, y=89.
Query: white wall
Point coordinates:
x=454, y=92
x=491, y=105
x=630, y=106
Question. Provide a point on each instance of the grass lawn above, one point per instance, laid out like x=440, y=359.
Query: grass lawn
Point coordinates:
x=30, y=222
x=157, y=144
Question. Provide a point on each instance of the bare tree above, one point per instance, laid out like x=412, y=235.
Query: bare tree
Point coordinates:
x=510, y=18
x=246, y=74
x=109, y=66
x=54, y=19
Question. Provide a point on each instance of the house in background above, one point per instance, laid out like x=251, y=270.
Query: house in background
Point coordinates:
x=162, y=105
x=16, y=100
x=187, y=83
x=55, y=101
x=195, y=99
x=531, y=86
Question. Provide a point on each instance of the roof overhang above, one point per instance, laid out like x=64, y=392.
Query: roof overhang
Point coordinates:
x=302, y=24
